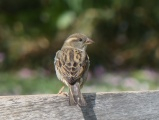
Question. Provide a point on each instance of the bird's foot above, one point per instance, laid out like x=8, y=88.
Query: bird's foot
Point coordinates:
x=61, y=92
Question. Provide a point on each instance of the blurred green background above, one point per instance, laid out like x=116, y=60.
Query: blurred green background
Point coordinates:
x=125, y=55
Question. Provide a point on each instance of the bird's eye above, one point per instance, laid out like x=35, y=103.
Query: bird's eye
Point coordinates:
x=80, y=40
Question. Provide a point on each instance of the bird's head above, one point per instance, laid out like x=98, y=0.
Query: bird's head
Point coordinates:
x=78, y=41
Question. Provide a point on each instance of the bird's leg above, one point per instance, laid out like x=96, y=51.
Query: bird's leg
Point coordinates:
x=61, y=91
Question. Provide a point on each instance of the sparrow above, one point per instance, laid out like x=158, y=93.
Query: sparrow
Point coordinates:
x=71, y=66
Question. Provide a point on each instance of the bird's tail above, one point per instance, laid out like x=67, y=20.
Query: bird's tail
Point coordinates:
x=75, y=95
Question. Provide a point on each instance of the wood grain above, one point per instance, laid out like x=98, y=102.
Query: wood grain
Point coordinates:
x=101, y=106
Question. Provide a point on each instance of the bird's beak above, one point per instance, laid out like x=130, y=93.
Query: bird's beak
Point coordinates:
x=89, y=41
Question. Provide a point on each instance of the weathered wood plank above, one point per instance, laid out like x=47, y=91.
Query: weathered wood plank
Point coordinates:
x=101, y=106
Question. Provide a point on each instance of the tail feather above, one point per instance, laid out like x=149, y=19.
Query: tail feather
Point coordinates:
x=75, y=95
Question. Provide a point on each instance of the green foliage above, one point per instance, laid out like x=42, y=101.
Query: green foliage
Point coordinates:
x=12, y=84
x=125, y=30
x=125, y=34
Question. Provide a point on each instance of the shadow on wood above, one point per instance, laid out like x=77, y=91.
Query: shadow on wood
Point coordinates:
x=88, y=112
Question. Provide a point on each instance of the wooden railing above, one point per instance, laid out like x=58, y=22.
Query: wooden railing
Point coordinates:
x=101, y=106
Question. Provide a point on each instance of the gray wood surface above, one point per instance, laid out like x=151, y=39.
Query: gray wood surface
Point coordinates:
x=101, y=106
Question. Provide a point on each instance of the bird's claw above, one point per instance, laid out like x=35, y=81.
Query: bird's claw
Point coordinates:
x=63, y=93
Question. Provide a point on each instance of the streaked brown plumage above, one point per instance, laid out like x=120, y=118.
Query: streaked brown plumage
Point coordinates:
x=72, y=64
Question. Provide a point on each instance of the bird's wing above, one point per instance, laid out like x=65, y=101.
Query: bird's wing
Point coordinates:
x=85, y=75
x=71, y=65
x=58, y=64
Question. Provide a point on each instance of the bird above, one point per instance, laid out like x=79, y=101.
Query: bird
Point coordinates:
x=72, y=65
